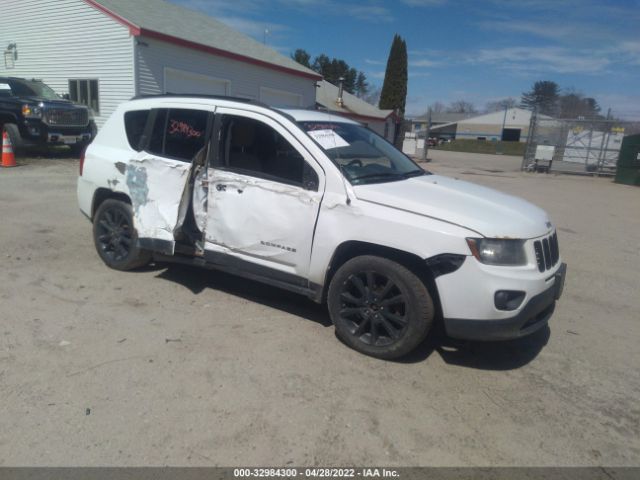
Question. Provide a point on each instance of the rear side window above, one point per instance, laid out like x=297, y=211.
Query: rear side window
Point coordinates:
x=179, y=133
x=134, y=124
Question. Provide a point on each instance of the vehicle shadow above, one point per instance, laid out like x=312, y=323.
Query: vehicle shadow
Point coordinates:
x=499, y=356
x=507, y=355
x=196, y=280
x=52, y=153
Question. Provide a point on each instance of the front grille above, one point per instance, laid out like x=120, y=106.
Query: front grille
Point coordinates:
x=77, y=117
x=547, y=252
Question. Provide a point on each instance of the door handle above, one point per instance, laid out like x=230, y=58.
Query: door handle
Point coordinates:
x=221, y=188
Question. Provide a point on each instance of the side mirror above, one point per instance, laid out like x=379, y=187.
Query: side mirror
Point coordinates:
x=66, y=96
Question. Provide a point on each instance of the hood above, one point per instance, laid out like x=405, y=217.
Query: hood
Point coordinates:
x=489, y=212
x=56, y=103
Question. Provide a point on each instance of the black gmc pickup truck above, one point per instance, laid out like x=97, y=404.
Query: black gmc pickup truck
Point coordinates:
x=33, y=115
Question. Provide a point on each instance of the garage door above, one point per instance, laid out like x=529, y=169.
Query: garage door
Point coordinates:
x=280, y=98
x=180, y=81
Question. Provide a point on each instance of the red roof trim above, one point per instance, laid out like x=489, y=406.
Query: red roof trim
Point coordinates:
x=133, y=29
x=137, y=31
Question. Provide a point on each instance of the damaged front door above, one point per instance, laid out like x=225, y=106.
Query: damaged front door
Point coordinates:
x=265, y=191
x=159, y=178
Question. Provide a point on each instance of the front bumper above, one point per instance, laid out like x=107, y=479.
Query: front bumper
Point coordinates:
x=36, y=133
x=534, y=315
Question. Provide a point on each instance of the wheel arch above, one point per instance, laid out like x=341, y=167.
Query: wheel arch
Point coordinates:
x=8, y=118
x=354, y=248
x=102, y=194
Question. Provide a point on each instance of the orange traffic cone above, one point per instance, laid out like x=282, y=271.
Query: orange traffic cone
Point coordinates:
x=8, y=158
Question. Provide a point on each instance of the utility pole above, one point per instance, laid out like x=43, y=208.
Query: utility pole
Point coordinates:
x=425, y=158
x=504, y=123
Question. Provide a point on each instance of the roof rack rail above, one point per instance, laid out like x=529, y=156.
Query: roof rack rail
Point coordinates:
x=199, y=95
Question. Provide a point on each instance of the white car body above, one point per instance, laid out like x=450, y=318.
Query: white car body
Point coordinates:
x=289, y=235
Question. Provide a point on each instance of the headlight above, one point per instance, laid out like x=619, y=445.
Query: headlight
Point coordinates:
x=32, y=111
x=493, y=251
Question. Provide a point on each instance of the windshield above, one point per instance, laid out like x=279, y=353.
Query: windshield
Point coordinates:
x=362, y=155
x=25, y=88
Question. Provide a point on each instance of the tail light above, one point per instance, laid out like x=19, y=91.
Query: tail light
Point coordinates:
x=82, y=155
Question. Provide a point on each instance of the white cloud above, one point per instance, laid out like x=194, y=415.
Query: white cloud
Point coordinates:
x=373, y=62
x=423, y=3
x=423, y=63
x=370, y=13
x=543, y=59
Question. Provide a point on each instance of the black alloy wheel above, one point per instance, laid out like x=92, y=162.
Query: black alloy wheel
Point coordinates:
x=379, y=307
x=373, y=308
x=115, y=237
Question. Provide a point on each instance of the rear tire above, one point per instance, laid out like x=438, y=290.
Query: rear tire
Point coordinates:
x=379, y=307
x=115, y=237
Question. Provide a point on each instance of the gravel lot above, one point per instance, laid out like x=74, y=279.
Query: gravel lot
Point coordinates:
x=177, y=366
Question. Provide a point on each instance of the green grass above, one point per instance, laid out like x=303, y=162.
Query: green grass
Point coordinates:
x=483, y=146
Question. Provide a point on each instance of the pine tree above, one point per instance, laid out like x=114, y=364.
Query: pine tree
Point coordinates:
x=302, y=57
x=394, y=88
x=544, y=96
x=362, y=86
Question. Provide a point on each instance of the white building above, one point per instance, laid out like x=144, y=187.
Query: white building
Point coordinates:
x=103, y=52
x=511, y=125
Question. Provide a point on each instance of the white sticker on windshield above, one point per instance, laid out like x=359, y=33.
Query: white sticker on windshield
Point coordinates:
x=4, y=86
x=328, y=139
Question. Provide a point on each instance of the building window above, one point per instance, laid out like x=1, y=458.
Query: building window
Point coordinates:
x=86, y=93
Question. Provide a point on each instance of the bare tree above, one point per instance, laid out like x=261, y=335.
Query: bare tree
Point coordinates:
x=461, y=106
x=500, y=105
x=437, y=107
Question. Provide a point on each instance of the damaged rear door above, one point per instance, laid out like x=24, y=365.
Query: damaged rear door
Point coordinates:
x=159, y=178
x=265, y=191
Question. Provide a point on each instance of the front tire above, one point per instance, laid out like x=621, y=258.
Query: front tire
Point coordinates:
x=379, y=307
x=115, y=237
x=14, y=135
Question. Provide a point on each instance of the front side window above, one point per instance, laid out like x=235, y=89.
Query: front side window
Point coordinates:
x=86, y=93
x=253, y=148
x=5, y=89
x=179, y=133
x=362, y=155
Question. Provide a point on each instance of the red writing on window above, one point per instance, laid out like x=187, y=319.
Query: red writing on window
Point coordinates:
x=183, y=128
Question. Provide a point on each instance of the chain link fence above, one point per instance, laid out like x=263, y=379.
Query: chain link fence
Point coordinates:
x=581, y=146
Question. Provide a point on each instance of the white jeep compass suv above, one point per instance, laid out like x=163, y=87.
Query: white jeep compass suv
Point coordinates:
x=320, y=205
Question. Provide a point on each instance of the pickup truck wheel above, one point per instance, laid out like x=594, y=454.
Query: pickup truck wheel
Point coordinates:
x=379, y=307
x=14, y=135
x=116, y=238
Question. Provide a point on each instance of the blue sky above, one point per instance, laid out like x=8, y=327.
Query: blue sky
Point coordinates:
x=474, y=50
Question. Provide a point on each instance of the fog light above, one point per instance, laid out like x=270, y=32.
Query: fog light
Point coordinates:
x=34, y=131
x=508, y=299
